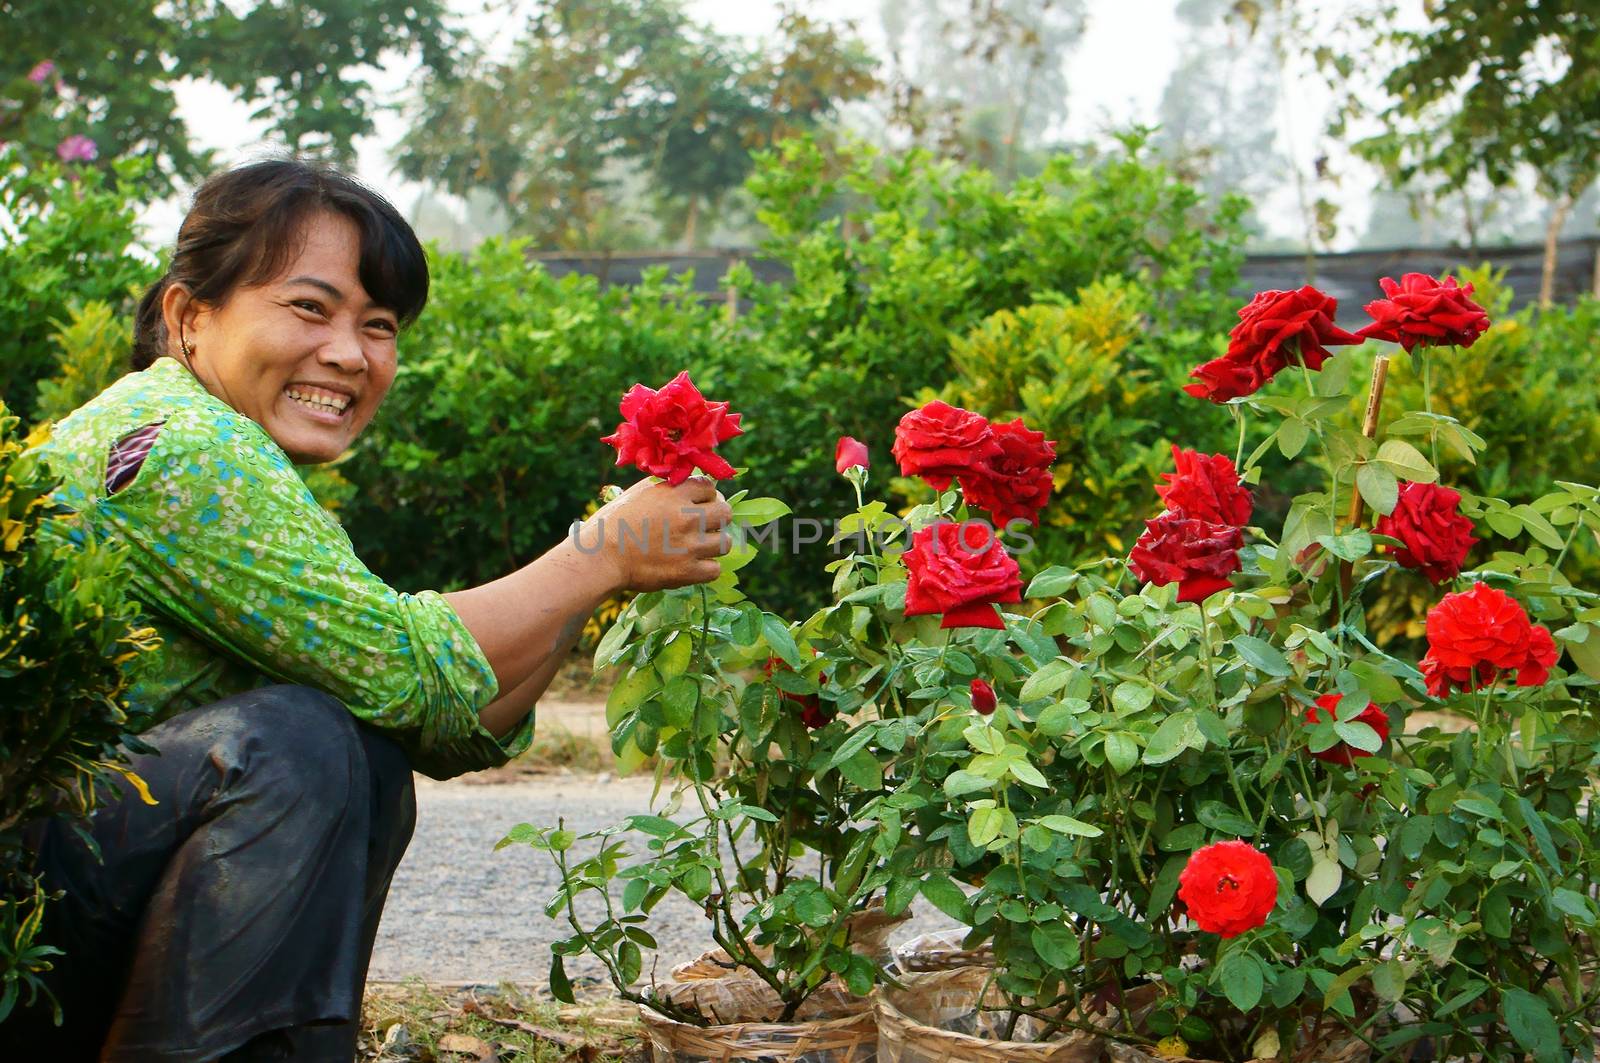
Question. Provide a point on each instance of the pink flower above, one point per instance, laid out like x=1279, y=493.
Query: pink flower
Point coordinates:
x=41, y=71
x=77, y=148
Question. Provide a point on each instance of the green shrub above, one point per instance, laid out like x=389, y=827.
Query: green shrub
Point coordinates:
x=67, y=633
x=892, y=257
x=92, y=347
x=1081, y=372
x=65, y=244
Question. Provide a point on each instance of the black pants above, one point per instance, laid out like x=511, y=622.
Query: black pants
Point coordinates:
x=238, y=914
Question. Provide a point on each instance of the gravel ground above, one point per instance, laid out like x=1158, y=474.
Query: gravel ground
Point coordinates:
x=460, y=912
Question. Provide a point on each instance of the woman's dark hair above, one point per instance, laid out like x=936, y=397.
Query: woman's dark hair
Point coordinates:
x=243, y=228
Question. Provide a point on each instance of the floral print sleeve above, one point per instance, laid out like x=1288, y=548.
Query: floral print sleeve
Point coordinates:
x=229, y=546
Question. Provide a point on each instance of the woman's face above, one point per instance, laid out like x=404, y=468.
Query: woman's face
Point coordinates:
x=308, y=356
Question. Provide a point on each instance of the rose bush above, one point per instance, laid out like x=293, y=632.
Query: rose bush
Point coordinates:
x=1189, y=773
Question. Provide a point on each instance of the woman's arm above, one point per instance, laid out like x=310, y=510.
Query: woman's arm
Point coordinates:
x=651, y=537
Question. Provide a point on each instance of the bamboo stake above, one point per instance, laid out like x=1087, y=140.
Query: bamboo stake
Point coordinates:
x=1380, y=376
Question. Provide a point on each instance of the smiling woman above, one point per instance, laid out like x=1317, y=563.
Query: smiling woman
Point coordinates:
x=294, y=691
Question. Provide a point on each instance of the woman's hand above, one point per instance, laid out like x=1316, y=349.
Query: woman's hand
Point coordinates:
x=655, y=537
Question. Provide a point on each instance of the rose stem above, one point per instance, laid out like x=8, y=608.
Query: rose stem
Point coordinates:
x=1369, y=428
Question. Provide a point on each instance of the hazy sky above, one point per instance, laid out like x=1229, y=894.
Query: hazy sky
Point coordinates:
x=1116, y=76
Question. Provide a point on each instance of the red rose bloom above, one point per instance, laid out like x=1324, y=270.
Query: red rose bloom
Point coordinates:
x=1015, y=483
x=1273, y=327
x=1228, y=888
x=812, y=714
x=1423, y=311
x=962, y=571
x=1427, y=518
x=1197, y=555
x=940, y=442
x=983, y=699
x=1342, y=752
x=1478, y=635
x=849, y=453
x=671, y=432
x=1205, y=487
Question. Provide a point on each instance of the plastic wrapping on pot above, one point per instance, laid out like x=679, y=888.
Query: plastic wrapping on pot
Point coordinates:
x=941, y=951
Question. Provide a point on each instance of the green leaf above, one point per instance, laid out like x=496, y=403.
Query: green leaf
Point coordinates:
x=1479, y=806
x=1049, y=679
x=946, y=896
x=1122, y=751
x=1051, y=582
x=984, y=825
x=1380, y=686
x=1323, y=882
x=1378, y=487
x=1241, y=978
x=1176, y=733
x=1056, y=945
x=1077, y=828
x=1406, y=461
x=1130, y=697
x=560, y=986
x=1538, y=527
x=1262, y=655
x=1531, y=1024
x=1586, y=653
x=1389, y=981
x=1292, y=437
x=630, y=962
x=777, y=636
x=962, y=782
x=755, y=512
x=1350, y=546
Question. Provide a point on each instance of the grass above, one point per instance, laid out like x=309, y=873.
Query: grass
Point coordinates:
x=414, y=1022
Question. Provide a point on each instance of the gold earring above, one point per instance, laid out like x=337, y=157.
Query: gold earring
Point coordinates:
x=183, y=345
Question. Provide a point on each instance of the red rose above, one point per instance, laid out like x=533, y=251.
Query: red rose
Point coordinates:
x=849, y=453
x=983, y=699
x=962, y=571
x=1273, y=327
x=1427, y=518
x=1478, y=635
x=1423, y=311
x=671, y=432
x=1015, y=483
x=812, y=714
x=940, y=442
x=1205, y=487
x=1342, y=752
x=1228, y=888
x=1197, y=555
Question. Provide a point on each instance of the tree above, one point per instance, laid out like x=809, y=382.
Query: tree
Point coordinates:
x=596, y=89
x=986, y=78
x=117, y=62
x=1488, y=90
x=1218, y=109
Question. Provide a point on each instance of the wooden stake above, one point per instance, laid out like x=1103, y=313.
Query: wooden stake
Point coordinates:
x=1380, y=376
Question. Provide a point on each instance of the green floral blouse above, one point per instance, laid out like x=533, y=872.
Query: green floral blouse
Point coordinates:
x=249, y=581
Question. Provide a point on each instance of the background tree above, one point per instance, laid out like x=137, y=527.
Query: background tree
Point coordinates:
x=1484, y=90
x=983, y=80
x=117, y=63
x=599, y=89
x=1218, y=110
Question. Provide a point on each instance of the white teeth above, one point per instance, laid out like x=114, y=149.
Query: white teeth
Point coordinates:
x=336, y=404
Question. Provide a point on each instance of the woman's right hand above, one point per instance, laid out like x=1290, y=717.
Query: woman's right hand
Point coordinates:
x=655, y=536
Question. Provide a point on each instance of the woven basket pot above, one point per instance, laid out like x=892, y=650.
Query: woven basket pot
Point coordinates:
x=936, y=1019
x=841, y=1039
x=832, y=1026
